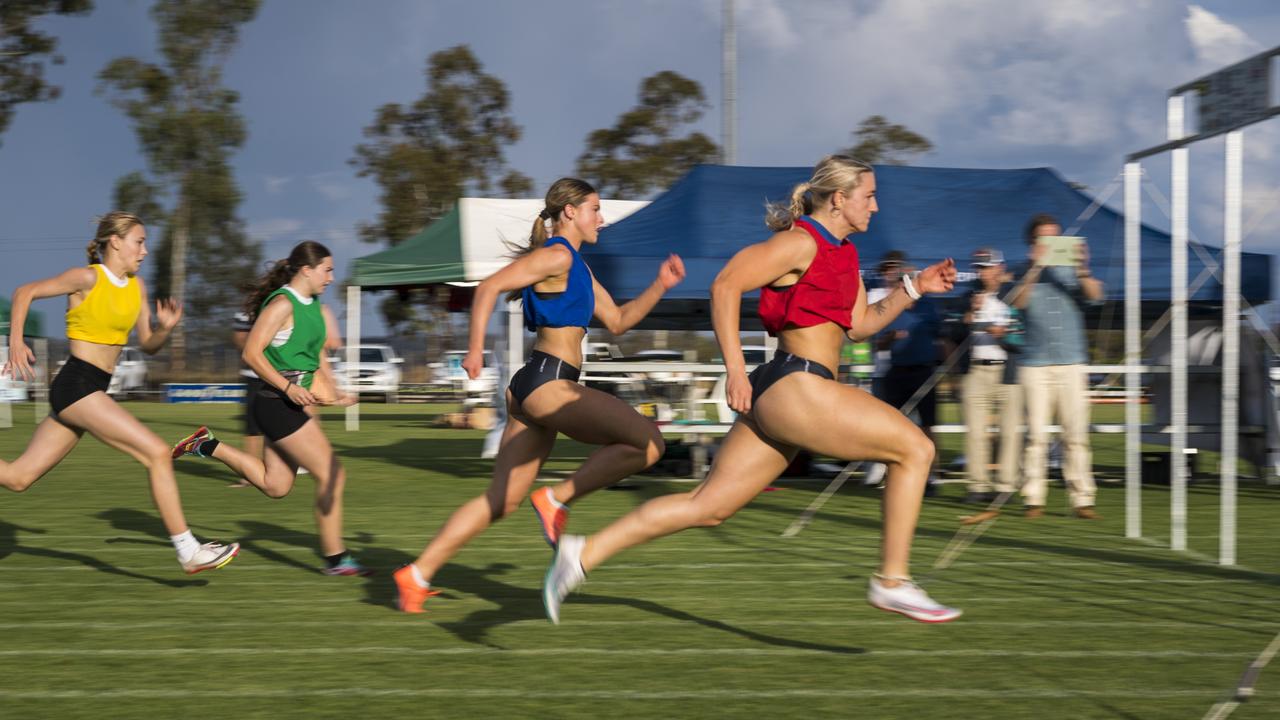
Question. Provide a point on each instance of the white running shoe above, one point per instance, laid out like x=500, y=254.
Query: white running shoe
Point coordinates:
x=211, y=556
x=911, y=600
x=564, y=576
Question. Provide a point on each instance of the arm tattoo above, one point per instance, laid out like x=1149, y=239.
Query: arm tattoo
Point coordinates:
x=879, y=307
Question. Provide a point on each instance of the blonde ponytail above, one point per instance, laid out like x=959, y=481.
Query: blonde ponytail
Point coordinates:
x=781, y=217
x=833, y=174
x=114, y=223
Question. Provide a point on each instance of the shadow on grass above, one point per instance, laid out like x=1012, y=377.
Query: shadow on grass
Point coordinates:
x=460, y=458
x=9, y=546
x=207, y=470
x=1023, y=543
x=516, y=604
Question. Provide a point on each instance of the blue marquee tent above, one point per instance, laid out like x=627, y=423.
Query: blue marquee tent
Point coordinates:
x=930, y=213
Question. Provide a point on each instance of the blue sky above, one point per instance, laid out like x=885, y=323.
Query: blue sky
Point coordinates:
x=993, y=83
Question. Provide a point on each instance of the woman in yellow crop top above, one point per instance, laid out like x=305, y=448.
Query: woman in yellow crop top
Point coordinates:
x=105, y=301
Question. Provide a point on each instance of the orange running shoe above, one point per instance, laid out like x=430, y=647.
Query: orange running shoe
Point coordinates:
x=552, y=514
x=412, y=595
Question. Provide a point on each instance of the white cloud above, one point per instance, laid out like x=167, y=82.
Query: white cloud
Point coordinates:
x=769, y=23
x=274, y=228
x=1217, y=43
x=275, y=184
x=333, y=185
x=1002, y=83
x=992, y=79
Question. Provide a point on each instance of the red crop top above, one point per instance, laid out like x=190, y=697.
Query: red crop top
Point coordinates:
x=825, y=292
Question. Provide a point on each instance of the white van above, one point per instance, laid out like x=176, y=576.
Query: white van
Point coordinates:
x=377, y=371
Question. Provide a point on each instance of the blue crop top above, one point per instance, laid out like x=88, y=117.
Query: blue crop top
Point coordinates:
x=573, y=307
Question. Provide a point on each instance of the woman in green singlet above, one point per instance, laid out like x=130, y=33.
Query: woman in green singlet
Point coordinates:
x=285, y=348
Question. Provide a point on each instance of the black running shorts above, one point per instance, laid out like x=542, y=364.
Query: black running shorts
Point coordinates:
x=76, y=380
x=275, y=415
x=782, y=365
x=540, y=370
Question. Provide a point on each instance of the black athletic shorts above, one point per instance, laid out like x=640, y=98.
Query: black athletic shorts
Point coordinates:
x=76, y=380
x=274, y=414
x=251, y=385
x=540, y=370
x=782, y=365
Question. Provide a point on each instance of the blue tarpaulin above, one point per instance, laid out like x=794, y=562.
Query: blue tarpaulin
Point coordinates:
x=930, y=213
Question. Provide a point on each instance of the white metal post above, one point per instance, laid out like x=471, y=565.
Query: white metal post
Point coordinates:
x=40, y=388
x=1230, y=347
x=1178, y=330
x=353, y=352
x=515, y=336
x=1132, y=349
x=729, y=87
x=6, y=411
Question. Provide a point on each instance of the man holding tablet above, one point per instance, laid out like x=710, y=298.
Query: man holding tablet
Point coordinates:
x=1052, y=294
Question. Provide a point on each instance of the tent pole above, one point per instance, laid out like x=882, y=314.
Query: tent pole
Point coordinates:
x=353, y=352
x=40, y=386
x=1230, y=347
x=6, y=411
x=515, y=337
x=1132, y=349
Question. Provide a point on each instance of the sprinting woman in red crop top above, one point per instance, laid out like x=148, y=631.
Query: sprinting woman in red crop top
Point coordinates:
x=811, y=298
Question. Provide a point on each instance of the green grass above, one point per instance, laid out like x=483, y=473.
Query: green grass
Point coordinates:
x=1064, y=618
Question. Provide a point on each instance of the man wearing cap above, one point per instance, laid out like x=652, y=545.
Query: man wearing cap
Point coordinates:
x=1053, y=367
x=990, y=385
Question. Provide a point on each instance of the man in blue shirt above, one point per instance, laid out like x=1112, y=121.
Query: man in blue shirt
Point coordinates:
x=1053, y=367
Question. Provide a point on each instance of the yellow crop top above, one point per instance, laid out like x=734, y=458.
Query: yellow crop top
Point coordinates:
x=107, y=313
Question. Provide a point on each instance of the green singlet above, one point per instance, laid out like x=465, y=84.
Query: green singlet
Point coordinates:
x=301, y=352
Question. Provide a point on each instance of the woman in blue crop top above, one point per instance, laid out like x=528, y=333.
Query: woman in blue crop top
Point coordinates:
x=560, y=298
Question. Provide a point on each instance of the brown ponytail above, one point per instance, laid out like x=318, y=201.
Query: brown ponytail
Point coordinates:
x=305, y=254
x=563, y=192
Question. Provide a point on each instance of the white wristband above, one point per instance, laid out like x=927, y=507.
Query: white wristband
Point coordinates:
x=909, y=286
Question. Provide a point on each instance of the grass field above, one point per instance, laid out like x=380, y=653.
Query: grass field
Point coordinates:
x=1064, y=618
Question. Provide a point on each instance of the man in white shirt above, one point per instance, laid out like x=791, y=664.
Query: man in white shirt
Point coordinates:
x=987, y=390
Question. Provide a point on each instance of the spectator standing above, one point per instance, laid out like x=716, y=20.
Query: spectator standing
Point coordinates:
x=1053, y=367
x=990, y=385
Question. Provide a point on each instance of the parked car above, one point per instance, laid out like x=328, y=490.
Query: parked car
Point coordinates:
x=449, y=372
x=13, y=389
x=377, y=371
x=130, y=374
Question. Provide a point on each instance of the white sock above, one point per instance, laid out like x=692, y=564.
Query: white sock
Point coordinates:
x=186, y=545
x=417, y=576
